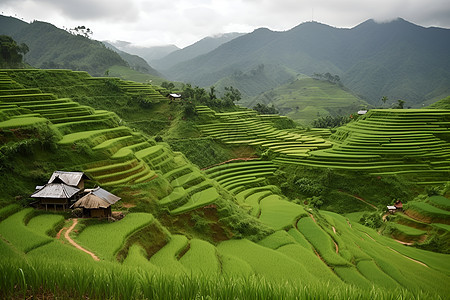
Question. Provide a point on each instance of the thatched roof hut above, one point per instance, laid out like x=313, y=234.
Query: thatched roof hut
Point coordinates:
x=97, y=203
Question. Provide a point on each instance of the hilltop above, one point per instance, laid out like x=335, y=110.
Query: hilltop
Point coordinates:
x=398, y=59
x=306, y=99
x=54, y=48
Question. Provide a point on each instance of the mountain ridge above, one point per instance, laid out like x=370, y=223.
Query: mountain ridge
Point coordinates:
x=54, y=48
x=373, y=59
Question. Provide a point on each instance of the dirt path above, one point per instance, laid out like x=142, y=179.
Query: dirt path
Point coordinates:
x=66, y=235
x=349, y=224
x=359, y=198
x=312, y=217
x=230, y=160
x=58, y=235
x=403, y=243
x=370, y=237
x=416, y=261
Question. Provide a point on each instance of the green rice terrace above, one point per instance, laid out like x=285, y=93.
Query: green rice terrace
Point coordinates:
x=248, y=221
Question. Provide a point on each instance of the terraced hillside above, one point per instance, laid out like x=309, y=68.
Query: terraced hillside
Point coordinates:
x=226, y=220
x=247, y=180
x=245, y=127
x=425, y=222
x=117, y=156
x=413, y=143
x=320, y=248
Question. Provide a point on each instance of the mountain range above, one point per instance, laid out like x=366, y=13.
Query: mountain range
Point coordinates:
x=397, y=59
x=150, y=54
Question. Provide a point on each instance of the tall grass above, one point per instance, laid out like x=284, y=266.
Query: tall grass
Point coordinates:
x=106, y=281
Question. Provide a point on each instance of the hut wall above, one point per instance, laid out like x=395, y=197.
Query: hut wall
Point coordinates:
x=100, y=213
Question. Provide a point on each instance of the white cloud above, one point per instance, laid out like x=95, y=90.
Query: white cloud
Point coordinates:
x=182, y=22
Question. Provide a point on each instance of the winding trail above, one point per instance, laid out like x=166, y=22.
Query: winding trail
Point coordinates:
x=359, y=198
x=412, y=259
x=416, y=261
x=230, y=160
x=66, y=235
x=349, y=224
x=336, y=246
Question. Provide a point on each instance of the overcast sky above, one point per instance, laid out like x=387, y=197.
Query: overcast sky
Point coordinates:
x=183, y=22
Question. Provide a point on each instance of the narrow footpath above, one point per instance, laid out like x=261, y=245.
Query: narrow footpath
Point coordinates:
x=66, y=235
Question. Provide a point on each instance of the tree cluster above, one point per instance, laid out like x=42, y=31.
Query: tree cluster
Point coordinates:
x=330, y=122
x=264, y=109
x=11, y=54
x=199, y=96
x=81, y=30
x=335, y=79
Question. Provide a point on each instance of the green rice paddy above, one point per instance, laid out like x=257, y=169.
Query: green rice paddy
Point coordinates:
x=304, y=253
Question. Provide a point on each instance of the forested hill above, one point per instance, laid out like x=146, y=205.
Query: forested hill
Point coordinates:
x=54, y=48
x=398, y=59
x=135, y=62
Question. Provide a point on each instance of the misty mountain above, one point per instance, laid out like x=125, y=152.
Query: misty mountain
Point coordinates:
x=398, y=59
x=150, y=54
x=135, y=62
x=201, y=47
x=54, y=48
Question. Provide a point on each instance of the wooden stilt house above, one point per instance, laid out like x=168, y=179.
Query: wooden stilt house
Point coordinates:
x=55, y=195
x=62, y=189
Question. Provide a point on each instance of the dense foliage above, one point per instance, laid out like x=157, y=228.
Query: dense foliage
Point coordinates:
x=330, y=121
x=11, y=54
x=265, y=109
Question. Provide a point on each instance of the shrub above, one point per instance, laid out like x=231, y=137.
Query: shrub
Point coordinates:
x=373, y=220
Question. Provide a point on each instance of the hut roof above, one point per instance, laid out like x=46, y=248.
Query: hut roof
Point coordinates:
x=105, y=195
x=175, y=95
x=96, y=198
x=56, y=191
x=69, y=178
x=91, y=201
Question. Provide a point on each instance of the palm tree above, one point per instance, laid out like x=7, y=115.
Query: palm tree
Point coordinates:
x=384, y=99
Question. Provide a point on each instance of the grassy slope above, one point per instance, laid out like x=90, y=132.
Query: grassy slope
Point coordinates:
x=126, y=73
x=441, y=104
x=306, y=99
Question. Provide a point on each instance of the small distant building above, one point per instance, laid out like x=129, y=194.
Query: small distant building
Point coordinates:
x=391, y=208
x=398, y=205
x=174, y=97
x=362, y=112
x=96, y=203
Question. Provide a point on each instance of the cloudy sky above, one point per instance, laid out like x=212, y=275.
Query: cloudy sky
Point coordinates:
x=183, y=22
